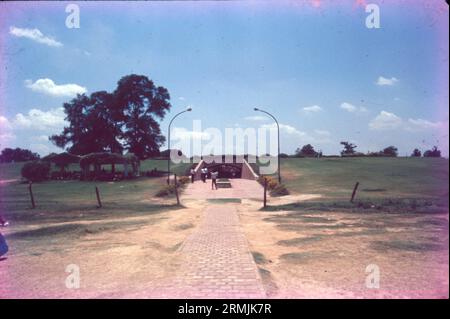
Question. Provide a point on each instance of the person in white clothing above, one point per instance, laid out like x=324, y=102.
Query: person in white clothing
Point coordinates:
x=214, y=176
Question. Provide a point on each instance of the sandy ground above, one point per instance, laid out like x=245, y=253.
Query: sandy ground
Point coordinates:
x=325, y=255
x=121, y=259
x=6, y=181
x=299, y=254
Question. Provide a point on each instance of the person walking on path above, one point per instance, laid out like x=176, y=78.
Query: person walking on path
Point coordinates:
x=214, y=176
x=3, y=245
x=192, y=175
x=202, y=174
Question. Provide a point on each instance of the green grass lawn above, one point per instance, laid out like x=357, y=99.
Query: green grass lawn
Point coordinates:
x=378, y=177
x=382, y=180
x=59, y=201
x=403, y=185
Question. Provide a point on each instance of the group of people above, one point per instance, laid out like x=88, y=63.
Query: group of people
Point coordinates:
x=3, y=245
x=204, y=176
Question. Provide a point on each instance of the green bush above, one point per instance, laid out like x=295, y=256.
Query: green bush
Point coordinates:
x=184, y=180
x=36, y=171
x=275, y=188
x=279, y=190
x=271, y=182
x=166, y=191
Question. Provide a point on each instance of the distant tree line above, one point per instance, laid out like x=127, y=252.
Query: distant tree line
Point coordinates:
x=10, y=155
x=349, y=150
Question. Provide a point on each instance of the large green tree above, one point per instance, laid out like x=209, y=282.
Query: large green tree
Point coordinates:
x=112, y=122
x=143, y=104
x=93, y=125
x=349, y=148
x=391, y=151
x=306, y=151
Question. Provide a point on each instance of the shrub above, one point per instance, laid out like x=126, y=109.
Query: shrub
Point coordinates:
x=356, y=154
x=271, y=182
x=36, y=171
x=279, y=190
x=166, y=191
x=184, y=180
x=273, y=186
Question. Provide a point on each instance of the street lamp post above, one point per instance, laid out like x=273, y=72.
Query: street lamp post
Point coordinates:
x=168, y=142
x=278, y=127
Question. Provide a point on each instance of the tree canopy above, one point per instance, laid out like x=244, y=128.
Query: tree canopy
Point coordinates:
x=113, y=122
x=416, y=153
x=306, y=151
x=349, y=148
x=9, y=155
x=391, y=151
x=434, y=152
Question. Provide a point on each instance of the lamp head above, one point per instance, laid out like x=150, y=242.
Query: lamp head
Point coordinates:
x=256, y=109
x=189, y=109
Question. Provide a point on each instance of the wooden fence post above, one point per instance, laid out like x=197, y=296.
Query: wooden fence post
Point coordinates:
x=265, y=192
x=354, y=192
x=30, y=190
x=176, y=189
x=99, y=201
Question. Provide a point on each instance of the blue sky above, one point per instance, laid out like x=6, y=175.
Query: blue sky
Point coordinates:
x=313, y=64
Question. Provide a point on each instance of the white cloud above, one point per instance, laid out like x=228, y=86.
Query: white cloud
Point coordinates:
x=40, y=138
x=322, y=132
x=389, y=121
x=179, y=133
x=256, y=118
x=40, y=120
x=382, y=81
x=421, y=124
x=348, y=107
x=6, y=138
x=285, y=128
x=4, y=123
x=47, y=86
x=6, y=134
x=35, y=35
x=312, y=109
x=182, y=98
x=43, y=148
x=352, y=108
x=385, y=121
x=31, y=130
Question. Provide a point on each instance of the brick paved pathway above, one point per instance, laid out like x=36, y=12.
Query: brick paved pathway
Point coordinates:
x=240, y=188
x=216, y=261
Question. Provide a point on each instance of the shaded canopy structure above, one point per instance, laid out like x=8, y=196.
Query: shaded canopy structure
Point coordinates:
x=98, y=159
x=62, y=160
